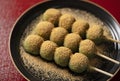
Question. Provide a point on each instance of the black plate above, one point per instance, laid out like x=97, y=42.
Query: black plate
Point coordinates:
x=38, y=9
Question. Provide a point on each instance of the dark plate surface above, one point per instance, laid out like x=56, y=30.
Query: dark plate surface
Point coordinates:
x=38, y=9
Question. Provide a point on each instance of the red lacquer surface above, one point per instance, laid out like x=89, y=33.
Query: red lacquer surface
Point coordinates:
x=10, y=10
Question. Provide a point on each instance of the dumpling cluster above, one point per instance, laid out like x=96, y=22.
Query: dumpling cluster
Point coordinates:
x=63, y=39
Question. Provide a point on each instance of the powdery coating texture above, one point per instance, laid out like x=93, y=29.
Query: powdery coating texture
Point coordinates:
x=66, y=21
x=52, y=15
x=87, y=47
x=47, y=71
x=62, y=56
x=32, y=44
x=43, y=29
x=57, y=35
x=78, y=63
x=47, y=50
x=95, y=33
x=72, y=41
x=80, y=27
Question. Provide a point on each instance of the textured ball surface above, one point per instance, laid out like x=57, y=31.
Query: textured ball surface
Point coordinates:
x=32, y=44
x=47, y=50
x=57, y=35
x=80, y=27
x=52, y=15
x=78, y=63
x=62, y=56
x=43, y=29
x=87, y=47
x=66, y=21
x=72, y=41
x=95, y=33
